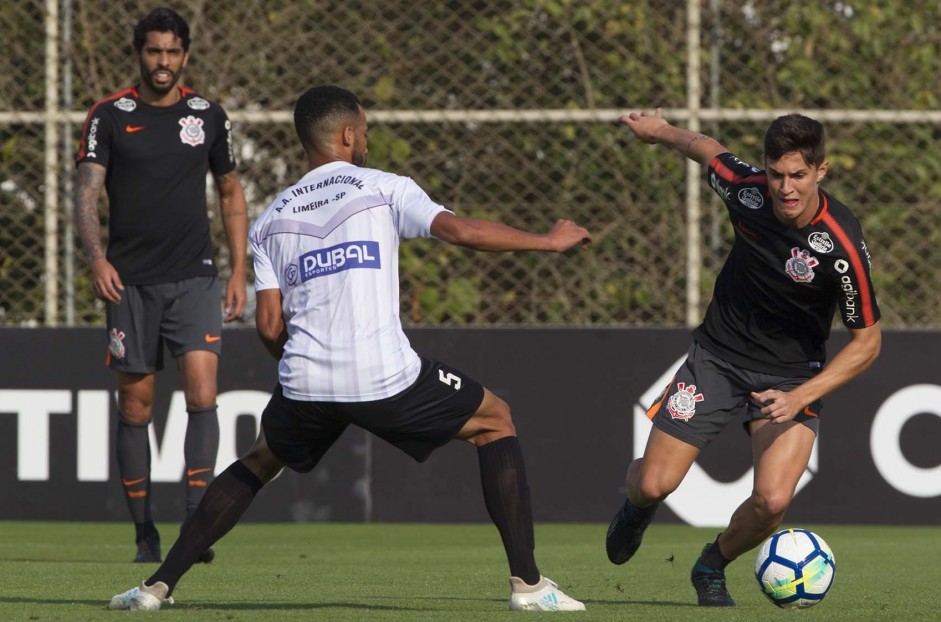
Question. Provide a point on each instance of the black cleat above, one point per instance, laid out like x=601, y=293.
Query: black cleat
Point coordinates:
x=710, y=585
x=624, y=537
x=148, y=550
x=206, y=556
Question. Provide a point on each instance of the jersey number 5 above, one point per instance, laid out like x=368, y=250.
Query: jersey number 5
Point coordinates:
x=449, y=378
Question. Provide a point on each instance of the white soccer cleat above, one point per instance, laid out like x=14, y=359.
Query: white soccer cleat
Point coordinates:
x=143, y=598
x=544, y=596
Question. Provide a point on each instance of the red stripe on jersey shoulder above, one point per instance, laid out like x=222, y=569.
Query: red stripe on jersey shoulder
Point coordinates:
x=825, y=205
x=186, y=92
x=82, y=148
x=730, y=176
x=856, y=264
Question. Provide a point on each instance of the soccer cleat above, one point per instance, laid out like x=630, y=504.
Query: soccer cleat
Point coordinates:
x=624, y=536
x=148, y=550
x=710, y=585
x=544, y=596
x=143, y=598
x=206, y=556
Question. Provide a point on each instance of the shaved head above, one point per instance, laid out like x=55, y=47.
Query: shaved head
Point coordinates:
x=320, y=113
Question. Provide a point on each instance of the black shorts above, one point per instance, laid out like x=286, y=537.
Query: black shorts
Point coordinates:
x=707, y=392
x=185, y=315
x=418, y=420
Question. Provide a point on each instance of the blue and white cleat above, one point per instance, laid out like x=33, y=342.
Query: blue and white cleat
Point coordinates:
x=544, y=596
x=143, y=598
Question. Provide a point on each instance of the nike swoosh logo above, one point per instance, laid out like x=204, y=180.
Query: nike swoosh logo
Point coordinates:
x=131, y=482
x=210, y=339
x=192, y=472
x=130, y=129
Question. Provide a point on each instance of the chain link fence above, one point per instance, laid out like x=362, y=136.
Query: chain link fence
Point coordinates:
x=506, y=109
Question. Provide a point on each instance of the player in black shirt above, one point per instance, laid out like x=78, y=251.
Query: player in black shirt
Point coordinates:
x=150, y=147
x=798, y=257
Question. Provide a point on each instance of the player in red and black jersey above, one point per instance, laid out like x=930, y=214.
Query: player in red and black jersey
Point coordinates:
x=150, y=147
x=798, y=257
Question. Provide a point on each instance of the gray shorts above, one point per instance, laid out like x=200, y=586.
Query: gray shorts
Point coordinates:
x=707, y=392
x=184, y=315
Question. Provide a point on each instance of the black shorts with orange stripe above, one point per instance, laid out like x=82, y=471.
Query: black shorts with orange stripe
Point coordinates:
x=708, y=392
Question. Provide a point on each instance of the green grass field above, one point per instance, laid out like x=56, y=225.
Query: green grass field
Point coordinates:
x=69, y=571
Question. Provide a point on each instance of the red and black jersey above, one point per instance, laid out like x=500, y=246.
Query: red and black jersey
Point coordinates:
x=157, y=159
x=774, y=299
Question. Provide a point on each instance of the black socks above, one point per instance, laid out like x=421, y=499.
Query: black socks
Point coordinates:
x=225, y=501
x=506, y=495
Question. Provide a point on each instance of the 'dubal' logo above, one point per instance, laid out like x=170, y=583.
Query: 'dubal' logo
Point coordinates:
x=125, y=104
x=682, y=404
x=116, y=343
x=820, y=241
x=751, y=197
x=800, y=266
x=339, y=258
x=192, y=132
x=197, y=103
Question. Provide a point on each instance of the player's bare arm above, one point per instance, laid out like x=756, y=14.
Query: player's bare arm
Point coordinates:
x=653, y=129
x=269, y=321
x=489, y=235
x=105, y=279
x=852, y=360
x=235, y=220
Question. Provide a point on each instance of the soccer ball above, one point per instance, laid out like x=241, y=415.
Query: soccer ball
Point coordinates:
x=795, y=568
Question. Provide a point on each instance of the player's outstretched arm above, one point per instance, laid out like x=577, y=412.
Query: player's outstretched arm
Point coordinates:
x=235, y=221
x=653, y=129
x=490, y=235
x=105, y=279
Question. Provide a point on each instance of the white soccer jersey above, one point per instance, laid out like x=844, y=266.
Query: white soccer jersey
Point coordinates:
x=330, y=243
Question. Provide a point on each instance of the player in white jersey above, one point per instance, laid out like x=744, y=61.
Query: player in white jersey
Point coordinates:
x=333, y=238
x=326, y=267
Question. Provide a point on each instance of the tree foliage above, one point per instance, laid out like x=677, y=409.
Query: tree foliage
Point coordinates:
x=402, y=55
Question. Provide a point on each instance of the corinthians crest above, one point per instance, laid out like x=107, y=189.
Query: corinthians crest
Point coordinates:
x=192, y=132
x=800, y=266
x=116, y=343
x=682, y=404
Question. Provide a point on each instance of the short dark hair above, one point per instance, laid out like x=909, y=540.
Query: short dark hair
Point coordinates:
x=795, y=132
x=320, y=112
x=162, y=20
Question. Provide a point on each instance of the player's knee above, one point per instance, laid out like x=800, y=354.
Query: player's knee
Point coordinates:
x=493, y=430
x=201, y=399
x=134, y=412
x=651, y=490
x=260, y=461
x=492, y=422
x=771, y=506
x=647, y=484
x=503, y=419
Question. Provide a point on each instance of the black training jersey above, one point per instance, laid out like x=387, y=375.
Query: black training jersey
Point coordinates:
x=157, y=159
x=774, y=299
